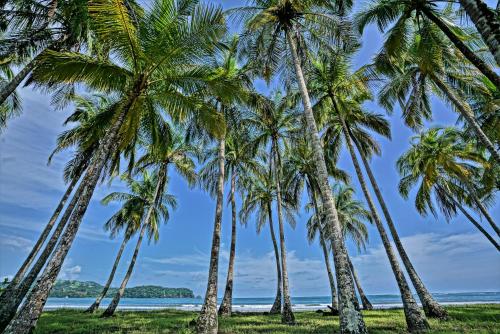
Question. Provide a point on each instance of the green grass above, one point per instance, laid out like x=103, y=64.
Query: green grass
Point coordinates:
x=463, y=319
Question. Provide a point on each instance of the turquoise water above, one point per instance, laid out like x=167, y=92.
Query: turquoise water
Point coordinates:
x=264, y=304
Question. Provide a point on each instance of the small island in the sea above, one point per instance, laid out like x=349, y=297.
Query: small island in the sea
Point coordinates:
x=78, y=289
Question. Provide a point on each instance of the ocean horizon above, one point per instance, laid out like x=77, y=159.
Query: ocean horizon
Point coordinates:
x=263, y=304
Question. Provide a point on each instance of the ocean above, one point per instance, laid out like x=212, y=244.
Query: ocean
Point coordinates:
x=264, y=304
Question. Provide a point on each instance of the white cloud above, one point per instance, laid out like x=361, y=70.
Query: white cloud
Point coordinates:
x=15, y=243
x=69, y=271
x=458, y=262
x=463, y=262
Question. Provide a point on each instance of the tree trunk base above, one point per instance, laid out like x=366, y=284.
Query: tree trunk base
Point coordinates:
x=416, y=321
x=287, y=316
x=225, y=310
x=108, y=313
x=276, y=308
x=366, y=304
x=434, y=310
x=207, y=323
x=92, y=308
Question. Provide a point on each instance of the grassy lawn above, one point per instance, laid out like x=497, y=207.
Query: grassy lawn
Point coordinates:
x=463, y=319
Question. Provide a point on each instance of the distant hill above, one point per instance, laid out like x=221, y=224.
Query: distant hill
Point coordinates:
x=77, y=289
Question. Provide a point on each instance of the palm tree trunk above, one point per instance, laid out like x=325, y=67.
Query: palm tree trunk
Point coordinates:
x=350, y=317
x=207, y=321
x=484, y=211
x=364, y=300
x=119, y=294
x=464, y=49
x=9, y=88
x=104, y=291
x=429, y=304
x=322, y=241
x=227, y=302
x=466, y=111
x=41, y=240
x=12, y=298
x=276, y=308
x=415, y=319
x=26, y=319
x=471, y=219
x=331, y=280
x=486, y=23
x=287, y=316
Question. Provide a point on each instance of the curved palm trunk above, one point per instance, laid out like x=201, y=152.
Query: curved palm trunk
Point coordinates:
x=350, y=317
x=8, y=89
x=104, y=291
x=276, y=308
x=484, y=211
x=11, y=299
x=227, y=302
x=415, y=319
x=331, y=280
x=486, y=23
x=26, y=319
x=466, y=111
x=364, y=300
x=38, y=245
x=287, y=316
x=464, y=49
x=429, y=304
x=471, y=219
x=119, y=294
x=207, y=321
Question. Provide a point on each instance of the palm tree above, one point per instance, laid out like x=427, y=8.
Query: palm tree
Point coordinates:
x=437, y=161
x=340, y=95
x=352, y=214
x=231, y=86
x=277, y=30
x=423, y=64
x=399, y=15
x=259, y=194
x=159, y=67
x=125, y=219
x=486, y=23
x=38, y=26
x=273, y=123
x=92, y=117
x=299, y=170
x=240, y=160
x=12, y=105
x=330, y=80
x=145, y=206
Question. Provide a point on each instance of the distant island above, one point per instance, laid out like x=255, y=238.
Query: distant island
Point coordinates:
x=77, y=289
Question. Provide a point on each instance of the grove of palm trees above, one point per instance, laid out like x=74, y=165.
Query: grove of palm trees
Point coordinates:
x=279, y=114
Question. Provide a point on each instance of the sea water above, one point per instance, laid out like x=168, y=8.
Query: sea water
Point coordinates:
x=264, y=304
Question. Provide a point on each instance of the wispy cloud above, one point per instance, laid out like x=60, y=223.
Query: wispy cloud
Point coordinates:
x=16, y=243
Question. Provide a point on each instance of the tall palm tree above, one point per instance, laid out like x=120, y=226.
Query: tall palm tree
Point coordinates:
x=331, y=82
x=277, y=30
x=436, y=162
x=352, y=215
x=399, y=15
x=159, y=67
x=340, y=95
x=240, y=160
x=92, y=117
x=273, y=123
x=231, y=86
x=126, y=219
x=486, y=23
x=424, y=64
x=147, y=205
x=299, y=170
x=259, y=194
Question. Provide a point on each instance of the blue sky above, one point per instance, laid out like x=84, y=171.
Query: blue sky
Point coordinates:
x=449, y=256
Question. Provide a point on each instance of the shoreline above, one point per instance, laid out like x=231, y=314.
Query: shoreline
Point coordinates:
x=251, y=308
